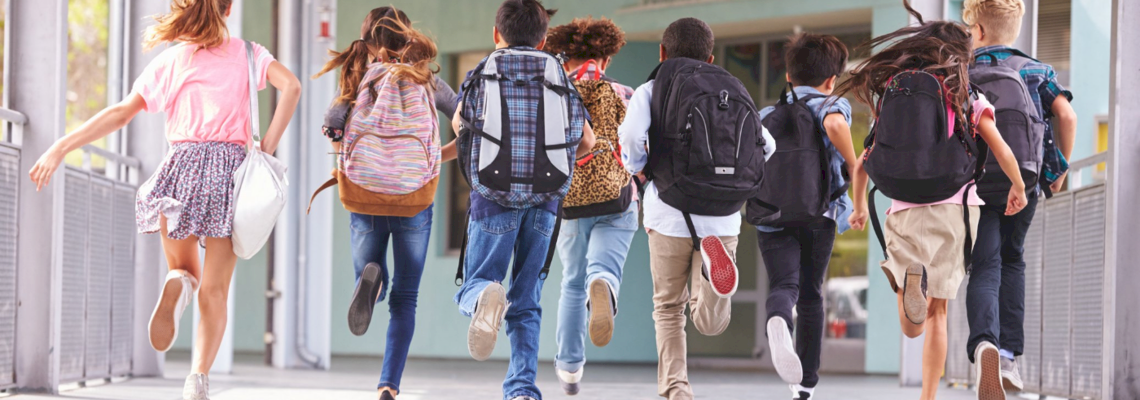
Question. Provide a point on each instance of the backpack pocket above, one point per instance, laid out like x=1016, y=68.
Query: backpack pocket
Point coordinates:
x=393, y=165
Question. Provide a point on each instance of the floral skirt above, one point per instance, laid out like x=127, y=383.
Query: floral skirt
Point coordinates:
x=193, y=189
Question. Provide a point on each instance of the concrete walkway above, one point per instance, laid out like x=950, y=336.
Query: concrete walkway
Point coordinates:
x=351, y=379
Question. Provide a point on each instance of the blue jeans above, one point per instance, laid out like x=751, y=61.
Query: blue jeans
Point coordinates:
x=409, y=236
x=995, y=295
x=492, y=241
x=590, y=248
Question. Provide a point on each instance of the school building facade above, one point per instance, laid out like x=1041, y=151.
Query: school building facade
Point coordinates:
x=863, y=334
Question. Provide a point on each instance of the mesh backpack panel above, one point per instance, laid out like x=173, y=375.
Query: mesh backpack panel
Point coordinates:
x=1016, y=116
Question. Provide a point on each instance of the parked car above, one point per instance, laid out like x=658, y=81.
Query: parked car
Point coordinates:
x=847, y=307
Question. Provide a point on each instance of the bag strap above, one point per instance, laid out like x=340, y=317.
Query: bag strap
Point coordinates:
x=585, y=69
x=328, y=184
x=968, y=246
x=463, y=251
x=553, y=244
x=254, y=120
x=692, y=231
x=875, y=221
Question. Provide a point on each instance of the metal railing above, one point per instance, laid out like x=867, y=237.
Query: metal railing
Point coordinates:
x=1064, y=289
x=98, y=267
x=9, y=208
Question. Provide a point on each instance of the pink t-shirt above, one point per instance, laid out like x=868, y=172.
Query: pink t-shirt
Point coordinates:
x=204, y=93
x=981, y=107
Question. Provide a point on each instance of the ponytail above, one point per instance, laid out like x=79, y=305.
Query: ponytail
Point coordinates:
x=355, y=60
x=201, y=22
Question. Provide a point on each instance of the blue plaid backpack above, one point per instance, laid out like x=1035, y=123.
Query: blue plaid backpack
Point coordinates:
x=521, y=121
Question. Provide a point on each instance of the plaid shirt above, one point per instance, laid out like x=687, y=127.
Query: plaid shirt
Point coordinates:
x=522, y=111
x=1041, y=80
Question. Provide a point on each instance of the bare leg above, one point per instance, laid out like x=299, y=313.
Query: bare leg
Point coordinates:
x=212, y=297
x=934, y=350
x=181, y=254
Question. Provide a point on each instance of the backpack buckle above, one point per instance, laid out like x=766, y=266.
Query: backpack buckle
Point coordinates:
x=723, y=100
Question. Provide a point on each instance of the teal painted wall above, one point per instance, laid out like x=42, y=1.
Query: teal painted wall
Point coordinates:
x=1089, y=76
x=884, y=333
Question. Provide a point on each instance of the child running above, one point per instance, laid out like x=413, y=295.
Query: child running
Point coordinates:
x=520, y=125
x=806, y=177
x=388, y=86
x=202, y=84
x=601, y=207
x=708, y=128
x=995, y=295
x=923, y=154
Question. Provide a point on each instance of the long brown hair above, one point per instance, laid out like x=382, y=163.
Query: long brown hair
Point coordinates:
x=385, y=35
x=940, y=48
x=201, y=22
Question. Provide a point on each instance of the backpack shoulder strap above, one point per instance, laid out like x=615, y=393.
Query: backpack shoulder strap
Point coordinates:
x=328, y=184
x=878, y=227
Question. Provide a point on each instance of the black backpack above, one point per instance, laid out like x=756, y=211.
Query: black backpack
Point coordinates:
x=911, y=155
x=705, y=141
x=1017, y=118
x=798, y=175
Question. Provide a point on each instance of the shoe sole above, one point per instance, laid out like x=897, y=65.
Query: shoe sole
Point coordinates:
x=914, y=302
x=601, y=313
x=571, y=389
x=787, y=363
x=989, y=375
x=364, y=300
x=163, y=327
x=721, y=269
x=484, y=328
x=1011, y=384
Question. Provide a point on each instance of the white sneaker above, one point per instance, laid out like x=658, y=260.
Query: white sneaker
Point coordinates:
x=197, y=387
x=801, y=393
x=570, y=380
x=484, y=329
x=987, y=361
x=176, y=295
x=784, y=355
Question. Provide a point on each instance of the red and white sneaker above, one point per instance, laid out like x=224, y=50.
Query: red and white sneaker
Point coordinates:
x=719, y=267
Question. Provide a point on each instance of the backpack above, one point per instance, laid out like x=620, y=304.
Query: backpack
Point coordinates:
x=910, y=154
x=600, y=185
x=521, y=124
x=705, y=140
x=798, y=175
x=390, y=158
x=1017, y=118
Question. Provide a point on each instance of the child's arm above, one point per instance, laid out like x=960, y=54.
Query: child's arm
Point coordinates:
x=284, y=80
x=988, y=129
x=449, y=152
x=588, y=140
x=1065, y=120
x=840, y=134
x=859, y=178
x=102, y=124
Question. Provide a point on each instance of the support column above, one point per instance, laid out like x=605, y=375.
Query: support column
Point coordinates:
x=146, y=141
x=303, y=242
x=38, y=84
x=1122, y=302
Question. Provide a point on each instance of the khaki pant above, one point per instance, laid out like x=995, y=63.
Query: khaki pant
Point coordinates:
x=674, y=265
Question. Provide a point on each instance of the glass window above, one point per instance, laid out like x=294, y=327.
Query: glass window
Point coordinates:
x=458, y=191
x=777, y=75
x=743, y=61
x=88, y=38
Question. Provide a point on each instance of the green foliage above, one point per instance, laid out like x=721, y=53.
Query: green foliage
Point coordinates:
x=88, y=38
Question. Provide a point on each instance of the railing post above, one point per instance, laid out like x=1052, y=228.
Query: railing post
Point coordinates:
x=38, y=84
x=1122, y=377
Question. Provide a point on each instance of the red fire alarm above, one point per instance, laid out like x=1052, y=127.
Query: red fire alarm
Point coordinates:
x=326, y=23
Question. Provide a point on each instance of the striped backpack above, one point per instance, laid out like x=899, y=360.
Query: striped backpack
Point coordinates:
x=390, y=158
x=521, y=121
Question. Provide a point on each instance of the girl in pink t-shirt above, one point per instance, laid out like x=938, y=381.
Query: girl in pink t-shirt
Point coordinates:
x=202, y=84
x=924, y=242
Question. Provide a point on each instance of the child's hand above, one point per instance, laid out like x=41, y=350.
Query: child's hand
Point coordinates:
x=45, y=167
x=1056, y=186
x=858, y=219
x=1017, y=201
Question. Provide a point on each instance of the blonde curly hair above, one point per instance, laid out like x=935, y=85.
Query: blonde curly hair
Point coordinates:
x=1000, y=19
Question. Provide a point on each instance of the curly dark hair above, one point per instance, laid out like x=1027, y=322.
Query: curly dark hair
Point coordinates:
x=586, y=39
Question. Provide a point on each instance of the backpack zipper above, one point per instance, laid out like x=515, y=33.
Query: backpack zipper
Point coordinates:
x=708, y=143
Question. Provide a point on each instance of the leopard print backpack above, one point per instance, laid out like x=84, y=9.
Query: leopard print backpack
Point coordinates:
x=600, y=184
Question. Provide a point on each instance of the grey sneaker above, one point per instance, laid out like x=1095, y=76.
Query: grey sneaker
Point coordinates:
x=569, y=380
x=602, y=312
x=987, y=360
x=197, y=387
x=1010, y=375
x=914, y=294
x=485, y=323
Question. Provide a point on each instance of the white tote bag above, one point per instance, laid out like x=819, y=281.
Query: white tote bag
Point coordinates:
x=259, y=184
